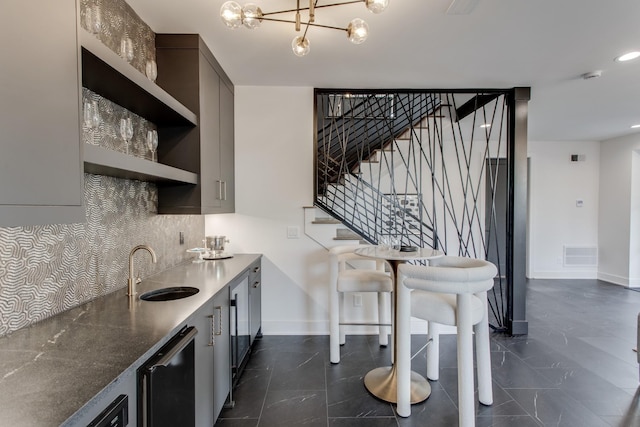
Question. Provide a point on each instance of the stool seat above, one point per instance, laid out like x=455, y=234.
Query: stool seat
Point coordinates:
x=441, y=308
x=364, y=281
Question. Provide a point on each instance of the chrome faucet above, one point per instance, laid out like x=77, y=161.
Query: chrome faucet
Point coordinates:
x=131, y=284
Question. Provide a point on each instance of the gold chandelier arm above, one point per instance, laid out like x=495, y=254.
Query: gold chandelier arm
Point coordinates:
x=315, y=7
x=306, y=23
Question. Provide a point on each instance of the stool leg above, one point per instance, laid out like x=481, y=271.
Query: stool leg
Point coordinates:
x=343, y=336
x=433, y=351
x=334, y=327
x=383, y=303
x=483, y=356
x=466, y=401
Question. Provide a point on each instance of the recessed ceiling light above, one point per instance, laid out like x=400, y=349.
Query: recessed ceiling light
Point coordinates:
x=486, y=125
x=635, y=126
x=628, y=56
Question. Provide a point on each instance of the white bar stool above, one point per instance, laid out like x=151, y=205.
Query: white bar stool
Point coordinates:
x=343, y=279
x=453, y=291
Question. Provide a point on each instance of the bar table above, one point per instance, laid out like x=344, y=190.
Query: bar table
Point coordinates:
x=383, y=382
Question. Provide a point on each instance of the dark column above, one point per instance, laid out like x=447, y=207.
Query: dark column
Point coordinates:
x=517, y=292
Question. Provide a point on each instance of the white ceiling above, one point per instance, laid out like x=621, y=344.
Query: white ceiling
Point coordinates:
x=544, y=44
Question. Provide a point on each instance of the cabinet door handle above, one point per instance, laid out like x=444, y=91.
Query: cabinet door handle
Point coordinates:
x=212, y=340
x=225, y=189
x=185, y=339
x=256, y=283
x=219, y=190
x=219, y=331
x=256, y=269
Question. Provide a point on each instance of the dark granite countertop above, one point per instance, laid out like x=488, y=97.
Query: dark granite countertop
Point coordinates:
x=53, y=369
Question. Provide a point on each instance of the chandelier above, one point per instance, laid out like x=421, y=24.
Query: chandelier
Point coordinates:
x=251, y=16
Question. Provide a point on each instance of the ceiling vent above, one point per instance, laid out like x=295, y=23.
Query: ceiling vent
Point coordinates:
x=461, y=7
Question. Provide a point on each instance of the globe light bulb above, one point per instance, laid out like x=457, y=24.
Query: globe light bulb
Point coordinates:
x=300, y=46
x=357, y=31
x=251, y=16
x=231, y=14
x=377, y=6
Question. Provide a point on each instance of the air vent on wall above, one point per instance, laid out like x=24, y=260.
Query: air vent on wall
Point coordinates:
x=580, y=256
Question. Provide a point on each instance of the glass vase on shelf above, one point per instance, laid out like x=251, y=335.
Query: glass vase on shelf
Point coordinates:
x=91, y=114
x=152, y=143
x=126, y=132
x=93, y=19
x=126, y=48
x=151, y=70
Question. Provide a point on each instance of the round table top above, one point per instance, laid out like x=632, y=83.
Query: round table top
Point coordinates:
x=380, y=252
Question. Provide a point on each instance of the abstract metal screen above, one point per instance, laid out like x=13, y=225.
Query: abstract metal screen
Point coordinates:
x=428, y=167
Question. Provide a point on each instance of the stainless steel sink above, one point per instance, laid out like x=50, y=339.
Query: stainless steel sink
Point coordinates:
x=168, y=294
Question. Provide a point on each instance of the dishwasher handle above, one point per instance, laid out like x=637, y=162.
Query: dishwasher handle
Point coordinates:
x=176, y=348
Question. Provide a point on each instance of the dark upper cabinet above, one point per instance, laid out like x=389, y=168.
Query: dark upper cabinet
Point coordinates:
x=41, y=179
x=227, y=143
x=189, y=72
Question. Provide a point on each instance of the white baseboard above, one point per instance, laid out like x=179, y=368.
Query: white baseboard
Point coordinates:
x=283, y=327
x=564, y=275
x=290, y=327
x=627, y=282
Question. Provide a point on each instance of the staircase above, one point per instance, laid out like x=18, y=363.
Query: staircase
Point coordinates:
x=410, y=164
x=326, y=230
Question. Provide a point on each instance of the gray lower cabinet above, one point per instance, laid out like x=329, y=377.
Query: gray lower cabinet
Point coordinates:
x=204, y=322
x=41, y=179
x=255, y=300
x=212, y=361
x=221, y=352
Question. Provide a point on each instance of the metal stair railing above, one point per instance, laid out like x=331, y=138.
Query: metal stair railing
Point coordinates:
x=371, y=213
x=413, y=164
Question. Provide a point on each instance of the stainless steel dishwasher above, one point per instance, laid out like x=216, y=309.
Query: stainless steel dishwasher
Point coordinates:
x=166, y=384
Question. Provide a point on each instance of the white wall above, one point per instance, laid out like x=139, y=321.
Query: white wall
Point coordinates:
x=274, y=181
x=555, y=185
x=618, y=222
x=634, y=221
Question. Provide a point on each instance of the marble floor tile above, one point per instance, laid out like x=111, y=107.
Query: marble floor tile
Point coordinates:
x=574, y=368
x=294, y=408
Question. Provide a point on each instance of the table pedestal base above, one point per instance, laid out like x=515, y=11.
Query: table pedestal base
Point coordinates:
x=382, y=383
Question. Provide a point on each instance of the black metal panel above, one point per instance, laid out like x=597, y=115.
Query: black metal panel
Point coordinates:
x=518, y=167
x=474, y=104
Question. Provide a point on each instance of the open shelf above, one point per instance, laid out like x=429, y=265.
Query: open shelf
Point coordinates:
x=102, y=161
x=105, y=73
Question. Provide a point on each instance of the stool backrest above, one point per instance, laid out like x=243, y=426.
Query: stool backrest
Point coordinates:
x=342, y=258
x=450, y=274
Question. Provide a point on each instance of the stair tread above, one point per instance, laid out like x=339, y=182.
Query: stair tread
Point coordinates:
x=346, y=234
x=325, y=221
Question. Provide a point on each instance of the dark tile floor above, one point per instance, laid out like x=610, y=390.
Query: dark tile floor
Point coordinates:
x=576, y=367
